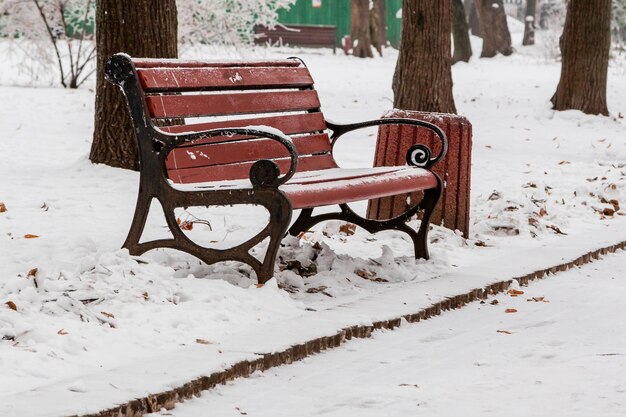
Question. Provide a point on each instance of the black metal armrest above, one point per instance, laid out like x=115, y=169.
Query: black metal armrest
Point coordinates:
x=417, y=155
x=263, y=172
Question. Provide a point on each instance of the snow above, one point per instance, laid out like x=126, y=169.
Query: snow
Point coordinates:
x=92, y=316
x=533, y=360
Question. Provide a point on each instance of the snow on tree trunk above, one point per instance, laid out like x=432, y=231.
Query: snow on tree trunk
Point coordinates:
x=140, y=28
x=493, y=28
x=460, y=33
x=423, y=79
x=585, y=46
x=360, y=28
x=529, y=22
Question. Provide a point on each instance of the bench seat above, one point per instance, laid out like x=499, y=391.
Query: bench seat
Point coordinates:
x=333, y=186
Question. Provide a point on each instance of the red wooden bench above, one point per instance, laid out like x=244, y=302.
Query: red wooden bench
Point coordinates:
x=253, y=133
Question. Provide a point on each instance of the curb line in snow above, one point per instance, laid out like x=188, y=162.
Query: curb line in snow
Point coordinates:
x=168, y=399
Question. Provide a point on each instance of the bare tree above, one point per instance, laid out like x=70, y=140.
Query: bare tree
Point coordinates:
x=529, y=22
x=360, y=28
x=585, y=46
x=423, y=76
x=142, y=28
x=493, y=28
x=460, y=33
x=378, y=25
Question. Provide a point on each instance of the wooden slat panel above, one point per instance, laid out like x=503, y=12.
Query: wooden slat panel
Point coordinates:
x=176, y=106
x=205, y=79
x=242, y=171
x=176, y=63
x=244, y=151
x=289, y=124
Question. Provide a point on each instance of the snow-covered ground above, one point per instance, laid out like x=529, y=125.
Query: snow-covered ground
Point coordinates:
x=553, y=348
x=72, y=303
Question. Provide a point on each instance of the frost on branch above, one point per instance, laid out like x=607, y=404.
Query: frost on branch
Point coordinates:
x=49, y=34
x=229, y=22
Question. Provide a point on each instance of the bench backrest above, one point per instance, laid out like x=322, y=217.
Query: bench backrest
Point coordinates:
x=208, y=95
x=300, y=35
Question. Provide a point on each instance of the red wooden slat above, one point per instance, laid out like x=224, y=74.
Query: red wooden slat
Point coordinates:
x=192, y=79
x=244, y=151
x=176, y=63
x=175, y=106
x=241, y=171
x=288, y=124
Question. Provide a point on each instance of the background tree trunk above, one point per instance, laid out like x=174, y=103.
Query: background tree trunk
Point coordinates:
x=585, y=46
x=494, y=28
x=423, y=77
x=360, y=28
x=378, y=25
x=460, y=33
x=142, y=28
x=474, y=20
x=529, y=22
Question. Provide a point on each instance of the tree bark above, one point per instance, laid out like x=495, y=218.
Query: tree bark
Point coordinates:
x=474, y=20
x=494, y=28
x=460, y=33
x=585, y=45
x=423, y=78
x=529, y=22
x=141, y=28
x=360, y=28
x=378, y=25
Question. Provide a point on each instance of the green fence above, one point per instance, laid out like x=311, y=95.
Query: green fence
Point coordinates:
x=337, y=13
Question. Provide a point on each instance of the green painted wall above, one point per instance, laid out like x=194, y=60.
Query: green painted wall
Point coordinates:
x=337, y=13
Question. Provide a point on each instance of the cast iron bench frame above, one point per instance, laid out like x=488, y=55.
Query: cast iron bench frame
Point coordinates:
x=155, y=144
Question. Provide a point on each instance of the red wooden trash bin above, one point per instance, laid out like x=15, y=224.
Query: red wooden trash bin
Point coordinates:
x=455, y=169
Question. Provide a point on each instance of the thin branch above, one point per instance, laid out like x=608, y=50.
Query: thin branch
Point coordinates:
x=53, y=39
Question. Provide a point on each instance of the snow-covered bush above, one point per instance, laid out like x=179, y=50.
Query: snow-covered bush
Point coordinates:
x=52, y=33
x=229, y=22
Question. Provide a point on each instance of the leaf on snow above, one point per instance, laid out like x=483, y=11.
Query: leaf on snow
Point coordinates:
x=514, y=293
x=109, y=315
x=203, y=342
x=504, y=331
x=29, y=236
x=62, y=332
x=3, y=207
x=11, y=305
x=347, y=229
x=510, y=310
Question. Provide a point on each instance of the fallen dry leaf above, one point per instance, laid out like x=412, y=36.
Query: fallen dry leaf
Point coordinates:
x=11, y=305
x=542, y=212
x=494, y=302
x=29, y=236
x=504, y=331
x=514, y=293
x=564, y=162
x=109, y=315
x=347, y=229
x=260, y=285
x=62, y=332
x=510, y=310
x=3, y=208
x=32, y=273
x=203, y=342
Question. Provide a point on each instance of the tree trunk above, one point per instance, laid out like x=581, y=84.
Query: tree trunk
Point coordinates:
x=423, y=77
x=474, y=20
x=460, y=33
x=529, y=22
x=360, y=28
x=494, y=29
x=378, y=25
x=585, y=46
x=141, y=28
